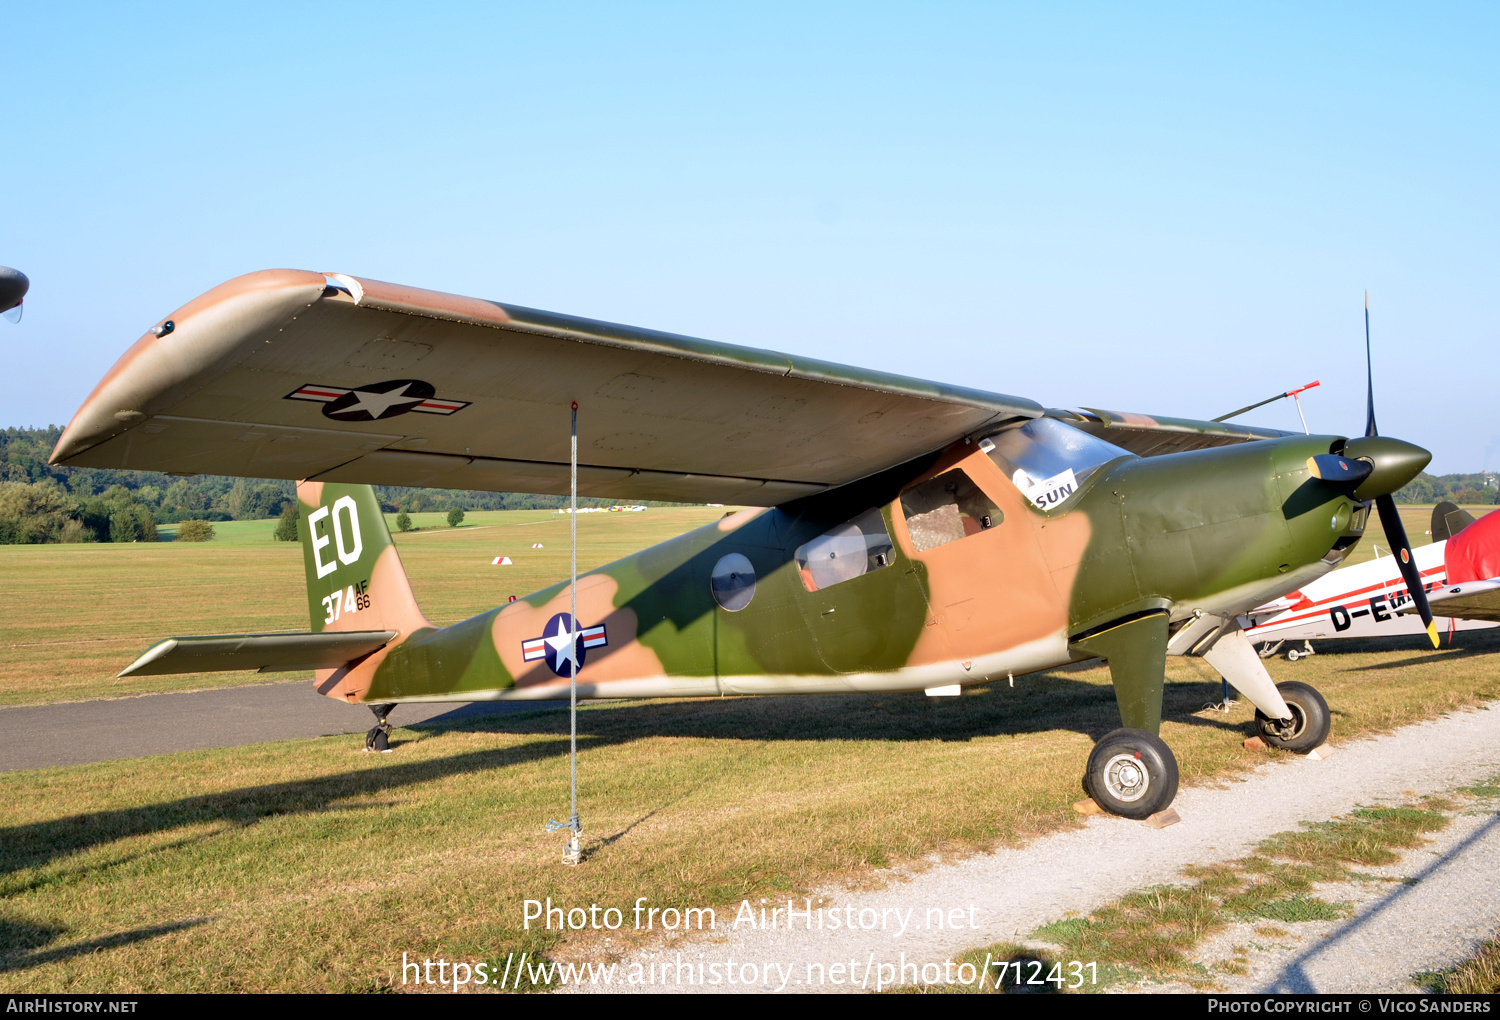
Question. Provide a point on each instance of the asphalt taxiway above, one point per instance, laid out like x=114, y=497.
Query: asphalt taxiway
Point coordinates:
x=79, y=732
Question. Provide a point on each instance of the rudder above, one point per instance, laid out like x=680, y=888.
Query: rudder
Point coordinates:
x=355, y=580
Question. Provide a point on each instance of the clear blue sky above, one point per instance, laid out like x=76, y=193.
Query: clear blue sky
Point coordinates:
x=1170, y=209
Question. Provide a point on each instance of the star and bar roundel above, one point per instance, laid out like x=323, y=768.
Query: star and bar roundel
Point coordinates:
x=374, y=401
x=554, y=642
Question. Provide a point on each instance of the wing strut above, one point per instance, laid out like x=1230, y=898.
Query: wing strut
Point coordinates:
x=573, y=852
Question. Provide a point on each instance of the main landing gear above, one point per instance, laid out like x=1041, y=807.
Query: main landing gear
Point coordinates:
x=1131, y=773
x=379, y=737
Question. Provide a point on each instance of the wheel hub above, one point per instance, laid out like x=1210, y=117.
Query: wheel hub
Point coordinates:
x=1287, y=729
x=1126, y=778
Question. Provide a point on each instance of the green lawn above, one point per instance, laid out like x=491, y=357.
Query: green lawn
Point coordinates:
x=72, y=616
x=307, y=865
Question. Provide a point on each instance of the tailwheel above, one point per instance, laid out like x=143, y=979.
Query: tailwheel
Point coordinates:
x=379, y=737
x=1131, y=773
x=1309, y=725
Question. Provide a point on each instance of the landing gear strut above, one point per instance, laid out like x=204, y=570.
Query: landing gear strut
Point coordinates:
x=1293, y=654
x=379, y=737
x=1131, y=773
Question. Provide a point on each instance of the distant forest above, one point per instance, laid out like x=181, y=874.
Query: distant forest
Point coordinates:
x=41, y=503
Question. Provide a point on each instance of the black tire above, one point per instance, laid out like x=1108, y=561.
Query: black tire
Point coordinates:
x=1311, y=720
x=1131, y=773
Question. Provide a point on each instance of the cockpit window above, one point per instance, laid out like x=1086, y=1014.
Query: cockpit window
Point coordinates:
x=945, y=509
x=1048, y=460
x=843, y=553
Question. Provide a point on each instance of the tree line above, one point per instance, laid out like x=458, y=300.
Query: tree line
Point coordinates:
x=40, y=502
x=43, y=503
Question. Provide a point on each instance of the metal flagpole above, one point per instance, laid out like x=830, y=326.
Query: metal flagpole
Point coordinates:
x=574, y=852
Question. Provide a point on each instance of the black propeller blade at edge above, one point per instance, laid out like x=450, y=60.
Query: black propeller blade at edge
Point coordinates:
x=1390, y=517
x=1370, y=429
x=1395, y=535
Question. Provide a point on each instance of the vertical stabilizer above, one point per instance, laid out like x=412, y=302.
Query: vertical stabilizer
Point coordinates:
x=355, y=581
x=1448, y=520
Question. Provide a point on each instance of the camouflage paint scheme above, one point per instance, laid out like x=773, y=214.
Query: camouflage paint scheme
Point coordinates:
x=1144, y=540
x=1184, y=525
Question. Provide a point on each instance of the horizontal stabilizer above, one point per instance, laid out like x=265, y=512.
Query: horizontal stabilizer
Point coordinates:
x=268, y=653
x=1472, y=600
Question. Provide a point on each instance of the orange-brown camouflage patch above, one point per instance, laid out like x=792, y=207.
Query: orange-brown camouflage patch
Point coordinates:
x=624, y=658
x=392, y=607
x=990, y=590
x=310, y=493
x=739, y=520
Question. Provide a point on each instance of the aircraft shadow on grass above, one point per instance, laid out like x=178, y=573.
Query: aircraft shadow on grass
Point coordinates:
x=23, y=944
x=1039, y=703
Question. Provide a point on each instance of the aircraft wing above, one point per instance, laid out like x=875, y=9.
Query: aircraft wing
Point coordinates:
x=267, y=653
x=1471, y=600
x=1152, y=435
x=292, y=374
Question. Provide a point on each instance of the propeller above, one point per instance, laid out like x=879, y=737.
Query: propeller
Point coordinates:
x=13, y=286
x=1390, y=517
x=1345, y=472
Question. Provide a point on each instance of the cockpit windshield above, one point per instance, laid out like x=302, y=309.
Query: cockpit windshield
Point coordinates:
x=1048, y=460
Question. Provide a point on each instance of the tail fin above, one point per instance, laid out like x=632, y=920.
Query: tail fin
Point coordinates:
x=355, y=581
x=1448, y=520
x=357, y=595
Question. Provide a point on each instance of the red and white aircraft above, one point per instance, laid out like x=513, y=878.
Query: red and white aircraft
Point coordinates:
x=1460, y=571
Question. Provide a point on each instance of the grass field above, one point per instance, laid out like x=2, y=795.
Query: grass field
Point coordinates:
x=72, y=616
x=307, y=865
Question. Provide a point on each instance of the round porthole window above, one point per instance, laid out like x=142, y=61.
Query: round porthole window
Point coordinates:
x=733, y=582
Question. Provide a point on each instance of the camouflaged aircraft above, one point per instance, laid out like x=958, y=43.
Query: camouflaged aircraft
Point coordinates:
x=909, y=535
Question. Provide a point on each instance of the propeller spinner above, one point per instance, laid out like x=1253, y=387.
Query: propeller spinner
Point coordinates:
x=13, y=286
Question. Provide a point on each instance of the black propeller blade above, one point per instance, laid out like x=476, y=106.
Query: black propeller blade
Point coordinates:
x=1344, y=472
x=1390, y=517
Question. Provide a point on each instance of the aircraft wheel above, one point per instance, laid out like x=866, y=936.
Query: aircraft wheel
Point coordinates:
x=1309, y=725
x=1293, y=655
x=1131, y=773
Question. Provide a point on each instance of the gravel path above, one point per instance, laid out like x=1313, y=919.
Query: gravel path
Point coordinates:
x=1427, y=912
x=1008, y=893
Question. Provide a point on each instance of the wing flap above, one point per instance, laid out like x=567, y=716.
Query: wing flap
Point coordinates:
x=267, y=653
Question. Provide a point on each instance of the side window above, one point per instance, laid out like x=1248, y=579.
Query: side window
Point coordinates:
x=945, y=509
x=843, y=553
